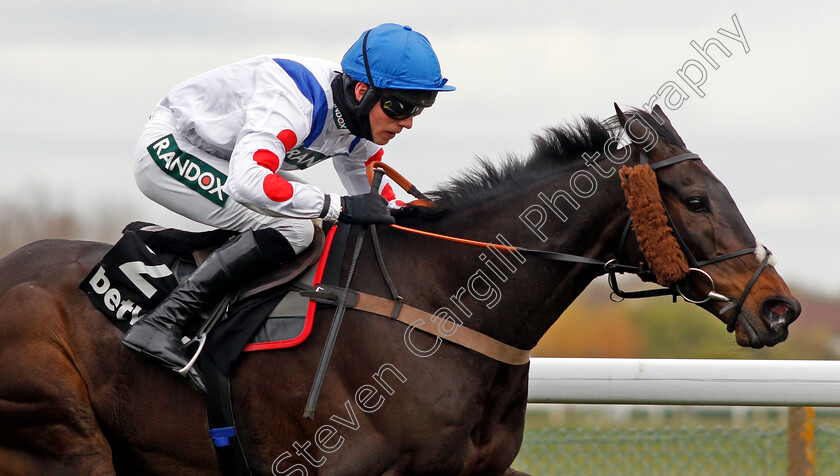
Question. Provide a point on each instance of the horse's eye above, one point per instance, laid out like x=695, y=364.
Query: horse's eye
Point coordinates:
x=696, y=205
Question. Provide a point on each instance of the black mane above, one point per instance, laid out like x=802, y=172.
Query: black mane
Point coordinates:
x=557, y=149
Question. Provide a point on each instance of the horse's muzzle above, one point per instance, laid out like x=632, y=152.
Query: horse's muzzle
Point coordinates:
x=777, y=313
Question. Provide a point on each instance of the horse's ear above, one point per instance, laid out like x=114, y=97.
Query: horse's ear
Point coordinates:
x=639, y=133
x=660, y=116
x=619, y=114
x=658, y=110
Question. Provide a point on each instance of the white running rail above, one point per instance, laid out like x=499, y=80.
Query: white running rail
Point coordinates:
x=685, y=382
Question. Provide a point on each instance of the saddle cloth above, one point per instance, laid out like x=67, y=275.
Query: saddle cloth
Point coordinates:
x=148, y=262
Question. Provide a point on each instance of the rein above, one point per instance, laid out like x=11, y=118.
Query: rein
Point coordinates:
x=550, y=255
x=613, y=267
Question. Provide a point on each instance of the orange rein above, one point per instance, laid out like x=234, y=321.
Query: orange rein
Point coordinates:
x=390, y=172
x=462, y=241
x=408, y=187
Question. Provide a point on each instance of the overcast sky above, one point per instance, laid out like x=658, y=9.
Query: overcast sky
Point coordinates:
x=79, y=78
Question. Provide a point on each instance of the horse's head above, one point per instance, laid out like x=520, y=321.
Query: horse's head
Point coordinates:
x=715, y=260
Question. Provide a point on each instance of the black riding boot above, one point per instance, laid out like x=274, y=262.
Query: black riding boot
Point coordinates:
x=158, y=335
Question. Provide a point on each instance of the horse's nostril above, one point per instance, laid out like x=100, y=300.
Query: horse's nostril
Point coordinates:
x=778, y=312
x=777, y=307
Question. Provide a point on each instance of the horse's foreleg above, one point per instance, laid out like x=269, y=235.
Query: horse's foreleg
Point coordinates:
x=47, y=425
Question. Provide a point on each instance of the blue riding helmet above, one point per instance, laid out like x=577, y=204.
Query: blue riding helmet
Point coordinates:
x=401, y=69
x=393, y=56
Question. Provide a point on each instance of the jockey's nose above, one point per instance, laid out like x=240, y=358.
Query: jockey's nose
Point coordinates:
x=407, y=122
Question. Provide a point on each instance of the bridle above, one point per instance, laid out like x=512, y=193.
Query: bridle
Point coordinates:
x=695, y=266
x=614, y=266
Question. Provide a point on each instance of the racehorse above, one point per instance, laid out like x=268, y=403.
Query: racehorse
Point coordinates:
x=396, y=401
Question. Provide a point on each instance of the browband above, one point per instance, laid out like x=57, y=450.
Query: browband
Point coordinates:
x=670, y=161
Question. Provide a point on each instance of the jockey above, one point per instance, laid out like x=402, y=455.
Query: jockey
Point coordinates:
x=218, y=147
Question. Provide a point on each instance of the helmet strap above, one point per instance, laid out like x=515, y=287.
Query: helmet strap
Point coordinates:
x=365, y=57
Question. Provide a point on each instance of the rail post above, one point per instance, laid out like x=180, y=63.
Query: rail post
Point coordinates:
x=802, y=456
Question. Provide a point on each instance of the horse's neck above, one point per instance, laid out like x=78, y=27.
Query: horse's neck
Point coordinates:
x=511, y=297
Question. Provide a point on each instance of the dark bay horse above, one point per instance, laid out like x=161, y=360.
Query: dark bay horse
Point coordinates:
x=396, y=401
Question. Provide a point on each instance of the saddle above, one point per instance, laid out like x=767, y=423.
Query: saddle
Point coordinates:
x=268, y=313
x=197, y=246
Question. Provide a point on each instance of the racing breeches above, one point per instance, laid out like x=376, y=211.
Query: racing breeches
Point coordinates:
x=173, y=172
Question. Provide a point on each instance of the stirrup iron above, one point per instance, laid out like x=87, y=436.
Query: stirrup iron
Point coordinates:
x=201, y=336
x=201, y=339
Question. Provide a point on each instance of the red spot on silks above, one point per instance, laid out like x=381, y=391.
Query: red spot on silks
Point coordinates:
x=206, y=181
x=388, y=192
x=375, y=157
x=277, y=188
x=267, y=159
x=288, y=138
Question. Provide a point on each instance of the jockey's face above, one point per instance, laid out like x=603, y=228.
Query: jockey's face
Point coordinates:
x=382, y=127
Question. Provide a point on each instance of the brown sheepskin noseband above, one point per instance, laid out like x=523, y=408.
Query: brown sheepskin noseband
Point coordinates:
x=656, y=241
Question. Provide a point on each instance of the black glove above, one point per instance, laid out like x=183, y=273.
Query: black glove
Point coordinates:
x=365, y=209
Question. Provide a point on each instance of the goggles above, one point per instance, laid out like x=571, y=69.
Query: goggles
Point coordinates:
x=397, y=108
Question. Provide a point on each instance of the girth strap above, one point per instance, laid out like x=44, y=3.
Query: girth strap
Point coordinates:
x=424, y=321
x=221, y=423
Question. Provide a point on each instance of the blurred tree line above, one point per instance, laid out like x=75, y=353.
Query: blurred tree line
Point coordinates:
x=594, y=326
x=20, y=225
